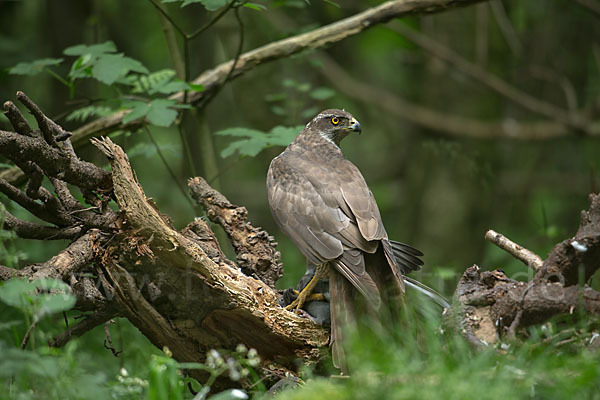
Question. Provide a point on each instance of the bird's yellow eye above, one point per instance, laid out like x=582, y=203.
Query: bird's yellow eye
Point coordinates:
x=335, y=120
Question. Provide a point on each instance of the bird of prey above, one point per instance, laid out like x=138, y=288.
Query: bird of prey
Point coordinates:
x=321, y=201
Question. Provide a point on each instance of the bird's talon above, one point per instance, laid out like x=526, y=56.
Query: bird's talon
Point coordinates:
x=293, y=305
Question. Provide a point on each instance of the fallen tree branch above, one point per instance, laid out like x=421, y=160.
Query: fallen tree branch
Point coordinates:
x=489, y=302
x=577, y=257
x=528, y=257
x=30, y=230
x=489, y=305
x=55, y=161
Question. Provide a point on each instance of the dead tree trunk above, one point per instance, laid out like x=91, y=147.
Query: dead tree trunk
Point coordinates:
x=490, y=306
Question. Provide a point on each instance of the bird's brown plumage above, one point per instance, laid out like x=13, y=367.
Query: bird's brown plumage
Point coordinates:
x=322, y=202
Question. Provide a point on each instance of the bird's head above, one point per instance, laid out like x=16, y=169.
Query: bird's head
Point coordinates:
x=333, y=125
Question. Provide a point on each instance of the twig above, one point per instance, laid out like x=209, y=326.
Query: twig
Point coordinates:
x=90, y=322
x=28, y=334
x=30, y=230
x=71, y=260
x=53, y=161
x=522, y=254
x=212, y=21
x=17, y=120
x=168, y=17
x=42, y=120
x=236, y=59
x=109, y=339
x=168, y=167
x=506, y=27
x=548, y=75
x=37, y=209
x=517, y=320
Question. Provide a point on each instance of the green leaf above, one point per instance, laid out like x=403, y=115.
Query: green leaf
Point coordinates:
x=278, y=110
x=139, y=109
x=211, y=5
x=161, y=113
x=289, y=83
x=94, y=50
x=34, y=67
x=253, y=144
x=197, y=88
x=9, y=324
x=172, y=87
x=111, y=67
x=284, y=135
x=55, y=303
x=272, y=97
x=83, y=113
x=240, y=132
x=303, y=87
x=98, y=61
x=322, y=93
x=333, y=3
x=17, y=293
x=254, y=6
x=33, y=297
x=255, y=141
x=148, y=83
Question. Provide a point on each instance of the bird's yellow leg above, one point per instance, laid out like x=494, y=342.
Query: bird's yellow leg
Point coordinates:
x=304, y=294
x=313, y=296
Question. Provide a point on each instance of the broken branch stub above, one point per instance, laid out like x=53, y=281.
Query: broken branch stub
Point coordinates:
x=254, y=247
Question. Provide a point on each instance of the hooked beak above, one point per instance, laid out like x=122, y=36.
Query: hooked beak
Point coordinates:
x=355, y=126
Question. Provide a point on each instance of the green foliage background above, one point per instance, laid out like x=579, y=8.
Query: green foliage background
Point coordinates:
x=81, y=59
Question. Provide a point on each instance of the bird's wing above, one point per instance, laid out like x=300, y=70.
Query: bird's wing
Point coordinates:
x=307, y=204
x=358, y=199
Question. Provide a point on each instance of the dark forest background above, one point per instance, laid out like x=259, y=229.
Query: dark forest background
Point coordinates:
x=518, y=166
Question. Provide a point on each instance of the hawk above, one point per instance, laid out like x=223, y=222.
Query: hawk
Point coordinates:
x=321, y=201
